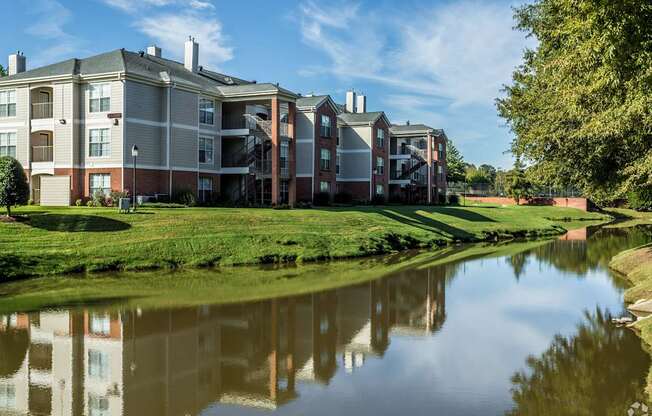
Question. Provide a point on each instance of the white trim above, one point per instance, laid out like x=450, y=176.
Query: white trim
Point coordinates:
x=209, y=132
x=185, y=126
x=96, y=121
x=87, y=153
x=12, y=125
x=145, y=122
x=234, y=171
x=235, y=132
x=355, y=151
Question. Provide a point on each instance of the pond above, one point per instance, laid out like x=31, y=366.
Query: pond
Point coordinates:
x=521, y=330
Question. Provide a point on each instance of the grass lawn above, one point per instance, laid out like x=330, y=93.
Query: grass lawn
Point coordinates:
x=63, y=240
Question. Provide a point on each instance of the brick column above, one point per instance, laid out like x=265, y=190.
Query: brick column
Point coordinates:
x=292, y=186
x=276, y=150
x=429, y=144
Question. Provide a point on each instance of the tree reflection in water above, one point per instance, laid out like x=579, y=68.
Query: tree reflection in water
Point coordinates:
x=599, y=370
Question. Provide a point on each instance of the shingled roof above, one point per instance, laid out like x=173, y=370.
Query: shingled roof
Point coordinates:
x=361, y=118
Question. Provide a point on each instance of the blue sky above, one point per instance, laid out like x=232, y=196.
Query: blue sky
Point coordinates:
x=436, y=62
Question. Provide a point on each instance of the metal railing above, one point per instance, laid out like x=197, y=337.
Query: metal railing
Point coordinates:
x=42, y=153
x=236, y=122
x=41, y=110
x=408, y=149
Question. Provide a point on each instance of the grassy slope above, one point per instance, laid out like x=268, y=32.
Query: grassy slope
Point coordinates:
x=64, y=240
x=158, y=289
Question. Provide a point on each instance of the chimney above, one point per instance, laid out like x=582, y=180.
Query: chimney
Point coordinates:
x=154, y=51
x=16, y=63
x=361, y=104
x=191, y=55
x=350, y=101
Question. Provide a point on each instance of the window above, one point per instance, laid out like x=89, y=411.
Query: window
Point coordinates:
x=285, y=192
x=99, y=143
x=205, y=150
x=8, y=144
x=380, y=166
x=100, y=182
x=440, y=170
x=98, y=406
x=7, y=396
x=380, y=138
x=325, y=159
x=100, y=98
x=325, y=128
x=100, y=325
x=8, y=103
x=98, y=364
x=441, y=151
x=380, y=190
x=285, y=158
x=338, y=161
x=205, y=188
x=206, y=111
x=324, y=186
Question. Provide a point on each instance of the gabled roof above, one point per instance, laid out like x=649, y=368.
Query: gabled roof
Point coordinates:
x=414, y=129
x=149, y=68
x=362, y=118
x=312, y=103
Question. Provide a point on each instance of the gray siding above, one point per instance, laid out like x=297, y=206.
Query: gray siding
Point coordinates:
x=355, y=138
x=354, y=166
x=184, y=148
x=145, y=102
x=185, y=108
x=151, y=141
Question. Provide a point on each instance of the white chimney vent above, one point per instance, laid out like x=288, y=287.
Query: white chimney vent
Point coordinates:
x=154, y=51
x=361, y=104
x=17, y=63
x=191, y=55
x=350, y=101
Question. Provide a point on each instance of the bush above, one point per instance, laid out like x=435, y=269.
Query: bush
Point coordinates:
x=281, y=206
x=378, y=200
x=304, y=204
x=90, y=203
x=162, y=205
x=114, y=198
x=322, y=199
x=99, y=199
x=441, y=199
x=453, y=199
x=641, y=199
x=186, y=198
x=14, y=189
x=343, y=198
x=78, y=203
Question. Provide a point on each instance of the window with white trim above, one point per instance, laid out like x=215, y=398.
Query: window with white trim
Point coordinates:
x=380, y=138
x=325, y=159
x=8, y=103
x=380, y=166
x=325, y=127
x=99, y=98
x=206, y=111
x=324, y=186
x=99, y=143
x=205, y=150
x=100, y=182
x=7, y=396
x=205, y=188
x=98, y=364
x=8, y=144
x=100, y=324
x=380, y=190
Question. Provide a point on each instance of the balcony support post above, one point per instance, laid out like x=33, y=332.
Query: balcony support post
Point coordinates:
x=429, y=143
x=292, y=154
x=276, y=150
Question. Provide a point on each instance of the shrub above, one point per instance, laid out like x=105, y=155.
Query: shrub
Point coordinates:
x=99, y=199
x=378, y=200
x=640, y=199
x=343, y=198
x=78, y=203
x=281, y=206
x=14, y=189
x=441, y=199
x=186, y=198
x=453, y=199
x=90, y=203
x=304, y=204
x=322, y=199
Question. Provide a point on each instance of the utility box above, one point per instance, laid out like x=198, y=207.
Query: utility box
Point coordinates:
x=123, y=204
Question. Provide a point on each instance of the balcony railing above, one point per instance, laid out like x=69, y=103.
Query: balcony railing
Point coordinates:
x=41, y=110
x=230, y=122
x=42, y=153
x=408, y=149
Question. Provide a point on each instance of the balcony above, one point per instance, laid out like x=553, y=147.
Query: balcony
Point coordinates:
x=41, y=111
x=42, y=153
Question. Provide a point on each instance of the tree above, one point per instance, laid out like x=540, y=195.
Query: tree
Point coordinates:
x=489, y=172
x=580, y=103
x=455, y=166
x=518, y=185
x=14, y=189
x=3, y=72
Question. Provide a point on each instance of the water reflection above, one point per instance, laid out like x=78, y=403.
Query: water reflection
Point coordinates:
x=101, y=362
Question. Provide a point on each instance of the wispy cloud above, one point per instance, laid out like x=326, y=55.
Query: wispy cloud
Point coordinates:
x=51, y=17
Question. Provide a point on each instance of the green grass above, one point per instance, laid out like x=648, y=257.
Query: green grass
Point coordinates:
x=629, y=217
x=164, y=288
x=50, y=241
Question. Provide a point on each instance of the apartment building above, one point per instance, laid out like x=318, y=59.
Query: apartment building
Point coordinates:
x=417, y=164
x=73, y=124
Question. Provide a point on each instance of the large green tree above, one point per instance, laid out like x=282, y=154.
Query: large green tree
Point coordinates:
x=455, y=166
x=14, y=189
x=580, y=104
x=3, y=72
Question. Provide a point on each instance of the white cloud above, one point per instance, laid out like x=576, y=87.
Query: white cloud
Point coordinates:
x=50, y=20
x=170, y=30
x=201, y=5
x=131, y=6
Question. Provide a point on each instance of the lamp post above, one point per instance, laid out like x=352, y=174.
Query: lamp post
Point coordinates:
x=134, y=153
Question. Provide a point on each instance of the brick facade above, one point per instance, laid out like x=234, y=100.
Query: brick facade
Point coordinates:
x=359, y=190
x=329, y=143
x=376, y=152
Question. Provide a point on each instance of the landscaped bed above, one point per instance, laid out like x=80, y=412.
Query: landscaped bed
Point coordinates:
x=48, y=241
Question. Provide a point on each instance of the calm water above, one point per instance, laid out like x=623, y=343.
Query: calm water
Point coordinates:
x=527, y=334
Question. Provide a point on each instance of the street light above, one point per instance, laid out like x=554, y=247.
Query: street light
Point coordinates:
x=134, y=153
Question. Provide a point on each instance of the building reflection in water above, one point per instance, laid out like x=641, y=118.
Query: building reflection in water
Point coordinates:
x=180, y=361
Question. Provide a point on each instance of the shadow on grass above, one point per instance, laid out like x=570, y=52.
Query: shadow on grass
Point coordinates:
x=76, y=223
x=464, y=214
x=414, y=219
